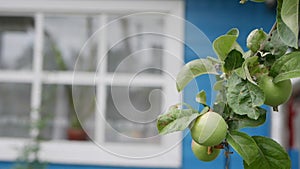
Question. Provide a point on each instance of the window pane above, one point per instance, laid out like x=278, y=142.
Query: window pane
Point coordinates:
x=131, y=114
x=14, y=110
x=62, y=112
x=16, y=42
x=135, y=44
x=65, y=36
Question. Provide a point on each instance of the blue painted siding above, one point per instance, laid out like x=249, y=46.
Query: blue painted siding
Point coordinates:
x=213, y=17
x=294, y=155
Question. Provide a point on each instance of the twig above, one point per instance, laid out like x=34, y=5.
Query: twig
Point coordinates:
x=262, y=45
x=227, y=155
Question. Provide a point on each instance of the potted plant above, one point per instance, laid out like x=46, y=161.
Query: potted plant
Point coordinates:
x=79, y=115
x=76, y=132
x=245, y=81
x=75, y=129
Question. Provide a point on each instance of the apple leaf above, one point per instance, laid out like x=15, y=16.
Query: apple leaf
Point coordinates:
x=286, y=67
x=225, y=43
x=290, y=16
x=201, y=97
x=244, y=97
x=287, y=21
x=177, y=119
x=241, y=73
x=275, y=45
x=248, y=62
x=193, y=69
x=234, y=60
x=271, y=155
x=244, y=145
x=255, y=39
x=219, y=85
x=242, y=121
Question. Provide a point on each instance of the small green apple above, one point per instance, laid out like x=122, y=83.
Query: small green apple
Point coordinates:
x=275, y=93
x=209, y=129
x=202, y=152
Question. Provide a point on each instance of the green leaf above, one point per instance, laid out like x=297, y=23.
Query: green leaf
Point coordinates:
x=225, y=43
x=233, y=31
x=234, y=60
x=218, y=85
x=241, y=73
x=275, y=45
x=177, y=119
x=290, y=15
x=219, y=107
x=286, y=67
x=248, y=62
x=244, y=145
x=287, y=21
x=193, y=69
x=244, y=97
x=242, y=121
x=201, y=97
x=271, y=155
x=255, y=39
x=214, y=60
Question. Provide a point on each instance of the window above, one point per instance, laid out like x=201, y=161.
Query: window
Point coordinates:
x=114, y=65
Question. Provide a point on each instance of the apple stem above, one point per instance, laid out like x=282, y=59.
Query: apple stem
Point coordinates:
x=220, y=146
x=209, y=150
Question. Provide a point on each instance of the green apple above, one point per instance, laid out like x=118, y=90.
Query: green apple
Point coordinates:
x=209, y=129
x=202, y=152
x=275, y=93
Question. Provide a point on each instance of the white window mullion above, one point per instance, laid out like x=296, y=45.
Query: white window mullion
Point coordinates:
x=101, y=86
x=37, y=71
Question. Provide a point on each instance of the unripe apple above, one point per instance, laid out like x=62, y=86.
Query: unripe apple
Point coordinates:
x=275, y=93
x=209, y=129
x=203, y=153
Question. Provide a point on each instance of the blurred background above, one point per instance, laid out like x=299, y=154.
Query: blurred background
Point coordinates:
x=82, y=82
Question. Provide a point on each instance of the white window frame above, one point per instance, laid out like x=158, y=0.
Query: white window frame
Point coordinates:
x=72, y=152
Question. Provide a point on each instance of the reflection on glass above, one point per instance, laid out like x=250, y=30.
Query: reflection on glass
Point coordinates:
x=14, y=110
x=16, y=42
x=135, y=43
x=65, y=37
x=67, y=109
x=131, y=114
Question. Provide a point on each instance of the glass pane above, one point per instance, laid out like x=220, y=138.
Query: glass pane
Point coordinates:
x=16, y=42
x=60, y=110
x=135, y=44
x=14, y=110
x=65, y=37
x=131, y=114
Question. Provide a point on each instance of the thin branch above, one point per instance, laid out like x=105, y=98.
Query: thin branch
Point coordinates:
x=262, y=46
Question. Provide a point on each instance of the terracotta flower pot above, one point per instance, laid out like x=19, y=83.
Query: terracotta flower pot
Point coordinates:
x=77, y=134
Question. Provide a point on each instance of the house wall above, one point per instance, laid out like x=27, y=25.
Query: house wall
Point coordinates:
x=213, y=17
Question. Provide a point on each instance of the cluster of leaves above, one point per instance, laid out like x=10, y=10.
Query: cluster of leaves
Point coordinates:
x=239, y=97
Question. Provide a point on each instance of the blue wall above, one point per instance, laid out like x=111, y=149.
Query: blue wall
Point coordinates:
x=213, y=17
